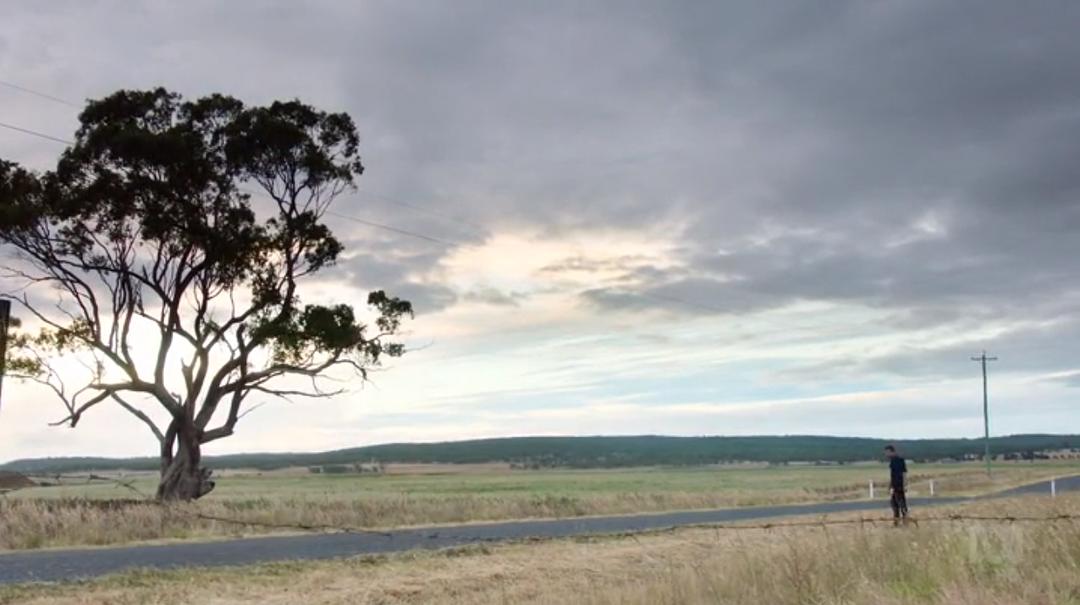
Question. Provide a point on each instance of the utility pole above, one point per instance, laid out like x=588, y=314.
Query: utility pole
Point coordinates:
x=986, y=409
x=5, y=321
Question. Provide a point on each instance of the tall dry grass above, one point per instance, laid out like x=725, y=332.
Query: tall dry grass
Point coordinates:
x=41, y=522
x=954, y=563
x=974, y=564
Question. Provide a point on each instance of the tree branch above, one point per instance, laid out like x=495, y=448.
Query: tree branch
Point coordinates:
x=141, y=416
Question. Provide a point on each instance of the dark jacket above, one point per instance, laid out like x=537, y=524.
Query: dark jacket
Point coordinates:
x=897, y=469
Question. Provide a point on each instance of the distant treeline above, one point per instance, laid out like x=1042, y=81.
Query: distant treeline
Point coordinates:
x=595, y=452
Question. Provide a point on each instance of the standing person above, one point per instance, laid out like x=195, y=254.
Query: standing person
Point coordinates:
x=897, y=472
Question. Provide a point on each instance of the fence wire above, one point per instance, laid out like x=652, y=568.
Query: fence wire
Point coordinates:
x=173, y=509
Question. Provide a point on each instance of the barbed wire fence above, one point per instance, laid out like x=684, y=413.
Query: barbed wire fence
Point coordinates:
x=172, y=509
x=821, y=522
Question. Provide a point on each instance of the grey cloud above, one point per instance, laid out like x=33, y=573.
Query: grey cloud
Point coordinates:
x=425, y=297
x=591, y=265
x=858, y=119
x=403, y=275
x=492, y=296
x=838, y=125
x=612, y=298
x=1048, y=348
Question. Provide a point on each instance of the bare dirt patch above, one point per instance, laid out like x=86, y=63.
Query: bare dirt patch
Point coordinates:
x=12, y=480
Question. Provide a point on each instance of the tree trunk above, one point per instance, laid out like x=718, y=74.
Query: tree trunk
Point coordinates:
x=182, y=477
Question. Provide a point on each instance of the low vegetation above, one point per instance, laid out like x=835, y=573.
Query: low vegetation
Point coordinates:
x=106, y=513
x=948, y=562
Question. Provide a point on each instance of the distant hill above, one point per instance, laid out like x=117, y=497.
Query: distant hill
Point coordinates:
x=593, y=452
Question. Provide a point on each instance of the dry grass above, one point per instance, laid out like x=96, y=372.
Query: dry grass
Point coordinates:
x=102, y=518
x=39, y=523
x=953, y=563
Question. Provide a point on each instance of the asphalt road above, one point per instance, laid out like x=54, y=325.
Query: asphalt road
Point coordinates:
x=60, y=565
x=1064, y=484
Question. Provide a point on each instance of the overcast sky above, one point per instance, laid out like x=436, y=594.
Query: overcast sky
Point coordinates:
x=653, y=217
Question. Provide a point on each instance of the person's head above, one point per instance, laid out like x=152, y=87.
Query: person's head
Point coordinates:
x=890, y=451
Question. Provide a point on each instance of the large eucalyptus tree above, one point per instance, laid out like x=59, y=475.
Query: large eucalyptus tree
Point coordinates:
x=143, y=256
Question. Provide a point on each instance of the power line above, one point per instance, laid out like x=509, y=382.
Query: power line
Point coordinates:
x=422, y=210
x=390, y=200
x=443, y=242
x=390, y=228
x=407, y=232
x=429, y=238
x=379, y=196
x=40, y=135
x=38, y=93
x=394, y=229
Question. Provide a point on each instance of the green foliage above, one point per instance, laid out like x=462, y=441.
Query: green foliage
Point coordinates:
x=321, y=329
x=150, y=171
x=147, y=226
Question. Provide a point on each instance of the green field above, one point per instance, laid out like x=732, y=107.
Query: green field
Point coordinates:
x=750, y=484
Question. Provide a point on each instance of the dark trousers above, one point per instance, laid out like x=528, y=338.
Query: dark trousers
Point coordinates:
x=899, y=503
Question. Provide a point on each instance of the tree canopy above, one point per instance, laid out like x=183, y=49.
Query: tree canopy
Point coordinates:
x=166, y=253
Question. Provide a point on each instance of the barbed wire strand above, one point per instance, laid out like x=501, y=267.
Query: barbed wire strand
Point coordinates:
x=437, y=532
x=170, y=509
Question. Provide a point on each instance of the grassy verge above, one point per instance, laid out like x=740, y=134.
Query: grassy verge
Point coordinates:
x=94, y=515
x=946, y=562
